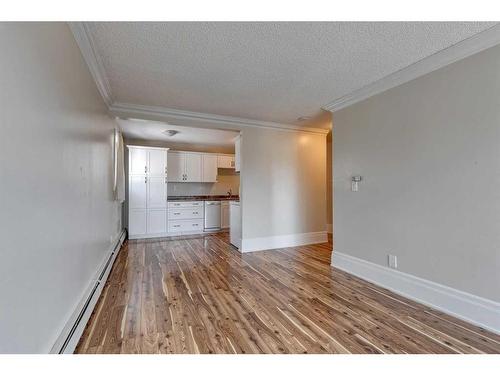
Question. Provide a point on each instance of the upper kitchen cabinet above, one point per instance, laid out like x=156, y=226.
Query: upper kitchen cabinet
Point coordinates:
x=193, y=167
x=138, y=160
x=157, y=162
x=176, y=166
x=184, y=167
x=225, y=161
x=210, y=163
x=144, y=160
x=237, y=152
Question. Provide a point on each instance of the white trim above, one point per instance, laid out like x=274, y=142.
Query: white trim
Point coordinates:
x=86, y=43
x=466, y=306
x=228, y=122
x=277, y=242
x=329, y=228
x=456, y=52
x=103, y=270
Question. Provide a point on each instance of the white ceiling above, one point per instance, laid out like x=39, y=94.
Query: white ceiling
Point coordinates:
x=153, y=130
x=263, y=71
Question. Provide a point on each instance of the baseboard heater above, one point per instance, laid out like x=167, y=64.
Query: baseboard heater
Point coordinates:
x=84, y=313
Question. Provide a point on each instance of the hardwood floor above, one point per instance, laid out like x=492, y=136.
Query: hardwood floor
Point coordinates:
x=199, y=295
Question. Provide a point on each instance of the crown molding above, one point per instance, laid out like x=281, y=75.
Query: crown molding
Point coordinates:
x=467, y=47
x=208, y=119
x=87, y=47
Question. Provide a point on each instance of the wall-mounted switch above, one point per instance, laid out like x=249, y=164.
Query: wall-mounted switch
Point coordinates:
x=355, y=180
x=392, y=261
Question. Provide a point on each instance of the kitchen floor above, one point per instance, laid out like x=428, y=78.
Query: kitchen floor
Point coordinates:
x=198, y=294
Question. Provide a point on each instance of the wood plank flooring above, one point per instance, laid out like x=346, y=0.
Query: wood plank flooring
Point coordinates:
x=200, y=295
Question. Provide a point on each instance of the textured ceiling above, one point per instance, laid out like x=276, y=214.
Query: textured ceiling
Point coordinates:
x=263, y=71
x=152, y=130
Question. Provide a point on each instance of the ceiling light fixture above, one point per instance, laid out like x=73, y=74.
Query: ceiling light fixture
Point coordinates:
x=304, y=118
x=170, y=133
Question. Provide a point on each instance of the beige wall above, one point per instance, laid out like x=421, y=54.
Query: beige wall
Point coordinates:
x=57, y=215
x=283, y=182
x=429, y=154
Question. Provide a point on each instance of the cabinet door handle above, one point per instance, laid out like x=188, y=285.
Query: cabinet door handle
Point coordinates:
x=165, y=180
x=176, y=226
x=195, y=225
x=145, y=180
x=195, y=213
x=145, y=169
x=177, y=213
x=165, y=170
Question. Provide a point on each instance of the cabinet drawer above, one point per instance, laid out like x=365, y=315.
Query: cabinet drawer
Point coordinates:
x=185, y=213
x=185, y=226
x=185, y=204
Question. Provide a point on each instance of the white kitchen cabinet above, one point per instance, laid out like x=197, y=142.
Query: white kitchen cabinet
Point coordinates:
x=185, y=217
x=156, y=221
x=147, y=193
x=193, y=167
x=138, y=160
x=185, y=167
x=225, y=161
x=157, y=162
x=157, y=194
x=176, y=167
x=144, y=160
x=138, y=191
x=209, y=167
x=224, y=215
x=237, y=153
x=137, y=222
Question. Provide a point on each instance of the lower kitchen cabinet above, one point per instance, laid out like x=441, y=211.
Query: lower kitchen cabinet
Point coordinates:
x=156, y=221
x=137, y=220
x=185, y=217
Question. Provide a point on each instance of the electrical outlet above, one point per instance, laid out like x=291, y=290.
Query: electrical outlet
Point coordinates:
x=392, y=261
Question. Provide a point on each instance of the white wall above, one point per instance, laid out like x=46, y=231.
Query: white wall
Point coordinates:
x=283, y=183
x=429, y=154
x=56, y=210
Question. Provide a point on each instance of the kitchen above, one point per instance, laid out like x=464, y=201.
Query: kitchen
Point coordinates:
x=181, y=181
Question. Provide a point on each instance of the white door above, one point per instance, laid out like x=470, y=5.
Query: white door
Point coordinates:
x=209, y=168
x=176, y=167
x=157, y=162
x=157, y=221
x=138, y=160
x=137, y=222
x=193, y=167
x=138, y=191
x=157, y=192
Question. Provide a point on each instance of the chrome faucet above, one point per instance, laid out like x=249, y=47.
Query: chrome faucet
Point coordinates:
x=230, y=192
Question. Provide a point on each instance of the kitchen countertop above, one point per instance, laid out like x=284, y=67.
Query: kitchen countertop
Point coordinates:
x=204, y=198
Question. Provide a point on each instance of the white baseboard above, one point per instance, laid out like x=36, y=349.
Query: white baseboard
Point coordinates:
x=477, y=310
x=329, y=228
x=73, y=330
x=277, y=242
